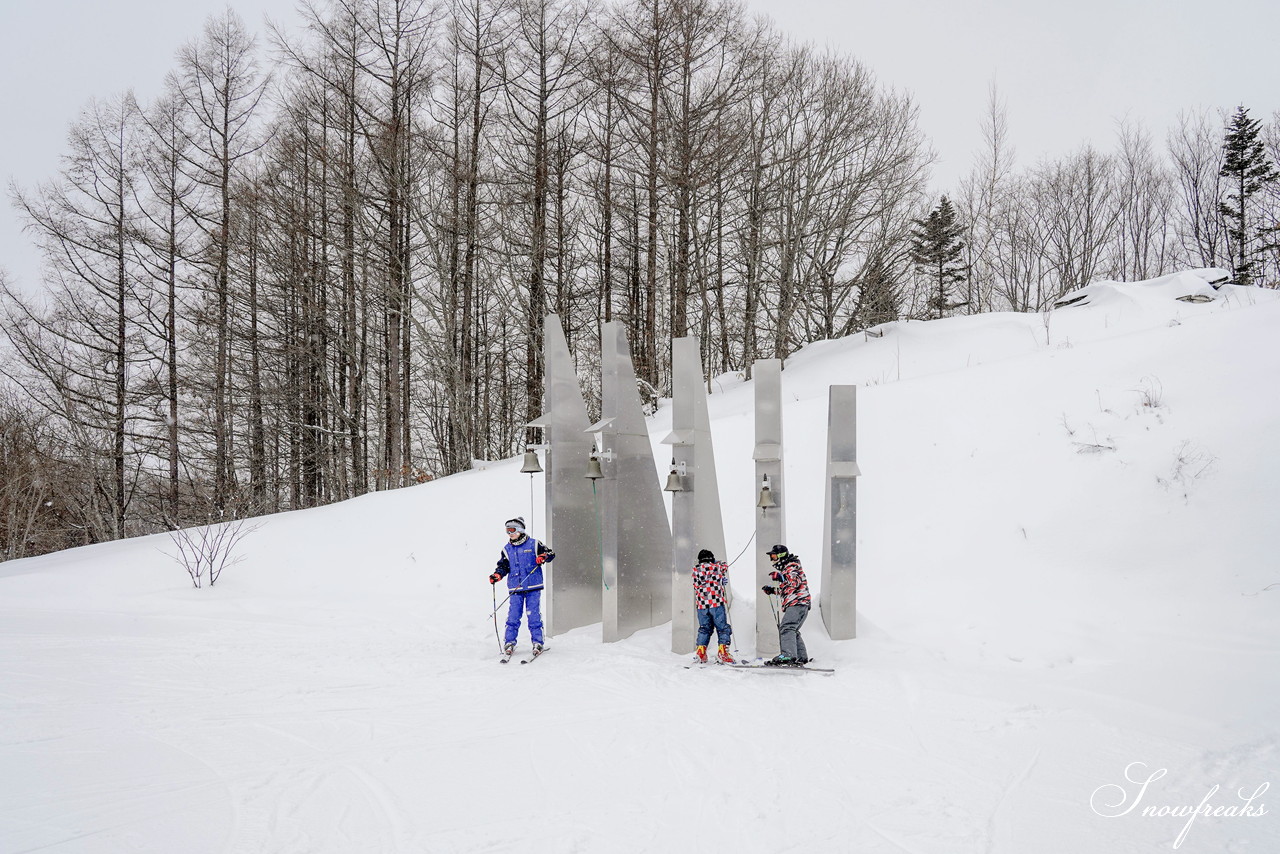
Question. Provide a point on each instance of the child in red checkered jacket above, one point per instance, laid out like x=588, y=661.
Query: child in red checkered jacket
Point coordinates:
x=709, y=580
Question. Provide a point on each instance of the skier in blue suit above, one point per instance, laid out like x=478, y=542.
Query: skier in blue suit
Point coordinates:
x=521, y=564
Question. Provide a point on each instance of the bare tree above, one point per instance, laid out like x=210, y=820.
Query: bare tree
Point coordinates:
x=1195, y=147
x=83, y=356
x=604, y=143
x=461, y=214
x=714, y=46
x=332, y=68
x=849, y=159
x=221, y=87
x=1074, y=201
x=641, y=32
x=206, y=550
x=1145, y=199
x=985, y=195
x=542, y=74
x=775, y=72
x=400, y=34
x=166, y=207
x=42, y=490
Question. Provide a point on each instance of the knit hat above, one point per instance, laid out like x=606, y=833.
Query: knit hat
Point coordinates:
x=705, y=556
x=517, y=523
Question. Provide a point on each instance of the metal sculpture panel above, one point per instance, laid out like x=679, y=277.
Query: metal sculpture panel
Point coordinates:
x=696, y=521
x=770, y=520
x=636, y=537
x=572, y=530
x=838, y=599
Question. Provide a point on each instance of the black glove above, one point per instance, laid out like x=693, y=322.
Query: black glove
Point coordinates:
x=769, y=590
x=495, y=578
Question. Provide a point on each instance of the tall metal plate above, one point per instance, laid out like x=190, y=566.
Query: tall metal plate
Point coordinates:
x=696, y=521
x=636, y=536
x=838, y=599
x=574, y=576
x=770, y=522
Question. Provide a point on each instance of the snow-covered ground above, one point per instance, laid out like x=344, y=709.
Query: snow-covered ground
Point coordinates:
x=1068, y=587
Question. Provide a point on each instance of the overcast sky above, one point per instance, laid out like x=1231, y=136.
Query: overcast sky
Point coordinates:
x=1067, y=71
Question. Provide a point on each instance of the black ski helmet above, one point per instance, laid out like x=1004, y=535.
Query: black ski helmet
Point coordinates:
x=705, y=556
x=777, y=551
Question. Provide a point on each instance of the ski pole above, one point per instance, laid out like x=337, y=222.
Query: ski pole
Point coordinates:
x=776, y=621
x=728, y=592
x=498, y=606
x=496, y=636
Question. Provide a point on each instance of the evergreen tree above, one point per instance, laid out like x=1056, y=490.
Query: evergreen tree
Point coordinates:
x=878, y=295
x=1248, y=169
x=936, y=250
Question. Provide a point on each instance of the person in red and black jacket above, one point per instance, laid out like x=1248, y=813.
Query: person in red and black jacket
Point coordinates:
x=709, y=580
x=793, y=587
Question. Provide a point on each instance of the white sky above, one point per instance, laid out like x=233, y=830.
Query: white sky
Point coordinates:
x=1067, y=71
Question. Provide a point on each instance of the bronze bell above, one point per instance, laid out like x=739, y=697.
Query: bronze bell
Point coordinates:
x=593, y=468
x=766, y=495
x=531, y=464
x=674, y=482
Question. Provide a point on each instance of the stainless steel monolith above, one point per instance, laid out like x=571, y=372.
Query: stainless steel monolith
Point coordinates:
x=838, y=600
x=696, y=521
x=571, y=529
x=769, y=491
x=636, y=552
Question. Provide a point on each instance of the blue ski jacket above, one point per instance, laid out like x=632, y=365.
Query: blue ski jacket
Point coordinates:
x=519, y=563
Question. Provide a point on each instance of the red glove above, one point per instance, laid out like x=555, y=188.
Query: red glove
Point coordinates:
x=776, y=576
x=495, y=578
x=541, y=559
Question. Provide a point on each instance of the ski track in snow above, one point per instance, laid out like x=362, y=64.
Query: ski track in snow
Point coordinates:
x=345, y=740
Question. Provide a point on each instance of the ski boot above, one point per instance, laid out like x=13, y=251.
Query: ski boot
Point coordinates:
x=723, y=655
x=782, y=660
x=700, y=654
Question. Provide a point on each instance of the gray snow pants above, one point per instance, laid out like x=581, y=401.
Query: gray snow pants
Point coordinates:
x=789, y=632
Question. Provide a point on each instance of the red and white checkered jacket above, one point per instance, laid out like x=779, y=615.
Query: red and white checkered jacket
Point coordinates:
x=793, y=587
x=709, y=579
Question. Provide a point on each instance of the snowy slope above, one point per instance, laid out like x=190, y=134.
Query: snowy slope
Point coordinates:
x=1067, y=566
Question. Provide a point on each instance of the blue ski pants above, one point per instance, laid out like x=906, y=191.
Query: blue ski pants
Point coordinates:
x=707, y=617
x=528, y=602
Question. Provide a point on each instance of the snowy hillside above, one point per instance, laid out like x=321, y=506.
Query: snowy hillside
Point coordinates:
x=1068, y=575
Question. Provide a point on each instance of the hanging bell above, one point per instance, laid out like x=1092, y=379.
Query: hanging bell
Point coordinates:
x=766, y=495
x=531, y=464
x=593, y=468
x=674, y=482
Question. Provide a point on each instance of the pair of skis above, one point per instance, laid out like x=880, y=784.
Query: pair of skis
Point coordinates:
x=738, y=665
x=506, y=657
x=786, y=668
